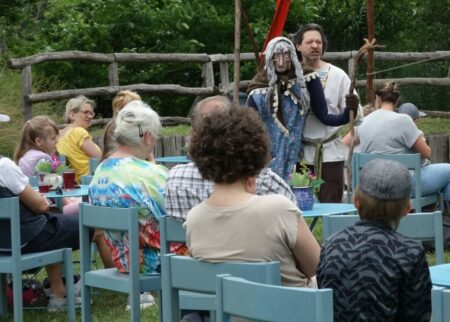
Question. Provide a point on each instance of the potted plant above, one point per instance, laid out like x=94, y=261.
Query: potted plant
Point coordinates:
x=304, y=184
x=50, y=173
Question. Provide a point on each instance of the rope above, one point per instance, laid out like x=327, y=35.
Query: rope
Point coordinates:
x=405, y=65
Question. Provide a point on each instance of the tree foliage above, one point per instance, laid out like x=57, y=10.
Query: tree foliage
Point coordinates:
x=168, y=26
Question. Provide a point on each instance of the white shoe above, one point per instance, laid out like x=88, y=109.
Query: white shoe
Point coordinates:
x=57, y=303
x=146, y=300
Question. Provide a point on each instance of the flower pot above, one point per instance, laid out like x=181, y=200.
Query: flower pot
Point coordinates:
x=53, y=180
x=304, y=196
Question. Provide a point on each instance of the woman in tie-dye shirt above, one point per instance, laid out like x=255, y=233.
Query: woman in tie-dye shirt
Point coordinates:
x=126, y=179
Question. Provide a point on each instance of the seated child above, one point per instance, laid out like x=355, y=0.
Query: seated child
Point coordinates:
x=376, y=273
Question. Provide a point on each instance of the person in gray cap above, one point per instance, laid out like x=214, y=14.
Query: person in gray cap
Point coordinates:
x=385, y=131
x=411, y=110
x=376, y=273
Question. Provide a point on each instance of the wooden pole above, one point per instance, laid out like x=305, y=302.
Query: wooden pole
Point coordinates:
x=249, y=32
x=237, y=51
x=370, y=55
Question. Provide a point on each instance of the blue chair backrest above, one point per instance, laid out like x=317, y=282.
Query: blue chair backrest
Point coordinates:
x=93, y=164
x=33, y=181
x=86, y=180
x=109, y=218
x=10, y=210
x=418, y=226
x=440, y=302
x=171, y=230
x=189, y=274
x=262, y=302
x=62, y=158
x=411, y=161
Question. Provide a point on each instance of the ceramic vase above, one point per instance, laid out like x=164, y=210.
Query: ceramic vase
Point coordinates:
x=304, y=196
x=53, y=180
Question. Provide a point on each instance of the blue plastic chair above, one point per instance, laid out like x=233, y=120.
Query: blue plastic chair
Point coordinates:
x=33, y=181
x=173, y=159
x=16, y=263
x=120, y=219
x=412, y=162
x=63, y=159
x=93, y=164
x=440, y=303
x=271, y=303
x=183, y=273
x=86, y=180
x=440, y=275
x=418, y=226
x=172, y=230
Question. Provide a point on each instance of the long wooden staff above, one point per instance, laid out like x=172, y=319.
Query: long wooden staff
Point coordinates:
x=359, y=55
x=237, y=51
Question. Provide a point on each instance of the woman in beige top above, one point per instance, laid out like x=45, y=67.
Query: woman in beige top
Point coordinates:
x=233, y=224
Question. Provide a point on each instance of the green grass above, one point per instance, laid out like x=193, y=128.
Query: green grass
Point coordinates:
x=110, y=306
x=107, y=306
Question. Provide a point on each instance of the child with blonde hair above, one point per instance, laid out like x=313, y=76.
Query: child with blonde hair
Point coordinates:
x=38, y=144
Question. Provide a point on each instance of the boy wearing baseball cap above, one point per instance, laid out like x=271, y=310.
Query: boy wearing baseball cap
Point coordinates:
x=376, y=273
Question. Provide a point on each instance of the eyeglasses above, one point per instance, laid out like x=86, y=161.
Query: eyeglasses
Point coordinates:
x=87, y=112
x=278, y=56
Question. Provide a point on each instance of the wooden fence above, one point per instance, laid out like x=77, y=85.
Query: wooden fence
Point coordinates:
x=174, y=145
x=209, y=87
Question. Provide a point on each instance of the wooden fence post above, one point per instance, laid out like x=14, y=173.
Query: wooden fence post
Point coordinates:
x=113, y=74
x=439, y=145
x=224, y=77
x=208, y=74
x=26, y=90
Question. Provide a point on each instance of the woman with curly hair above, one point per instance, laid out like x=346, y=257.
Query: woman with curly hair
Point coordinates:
x=233, y=224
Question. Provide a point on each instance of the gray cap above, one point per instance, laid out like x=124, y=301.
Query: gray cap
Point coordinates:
x=4, y=118
x=411, y=110
x=385, y=180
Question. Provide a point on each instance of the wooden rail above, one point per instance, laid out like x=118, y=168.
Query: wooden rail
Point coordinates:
x=208, y=87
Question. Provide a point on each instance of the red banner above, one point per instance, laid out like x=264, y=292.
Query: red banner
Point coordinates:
x=278, y=21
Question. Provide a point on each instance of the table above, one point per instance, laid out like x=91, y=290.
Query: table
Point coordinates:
x=173, y=159
x=440, y=275
x=327, y=209
x=83, y=192
x=80, y=192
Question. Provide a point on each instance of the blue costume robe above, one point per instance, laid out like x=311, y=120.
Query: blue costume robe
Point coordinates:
x=285, y=146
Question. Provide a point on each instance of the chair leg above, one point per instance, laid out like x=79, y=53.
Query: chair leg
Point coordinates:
x=160, y=306
x=135, y=305
x=3, y=297
x=212, y=316
x=70, y=295
x=85, y=303
x=17, y=297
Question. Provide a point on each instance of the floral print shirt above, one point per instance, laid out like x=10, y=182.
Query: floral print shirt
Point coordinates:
x=132, y=182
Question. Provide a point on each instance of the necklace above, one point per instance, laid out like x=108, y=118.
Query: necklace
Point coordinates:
x=324, y=82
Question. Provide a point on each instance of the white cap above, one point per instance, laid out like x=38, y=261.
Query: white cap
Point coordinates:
x=4, y=118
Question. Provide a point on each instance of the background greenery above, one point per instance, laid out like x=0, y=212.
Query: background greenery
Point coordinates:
x=195, y=26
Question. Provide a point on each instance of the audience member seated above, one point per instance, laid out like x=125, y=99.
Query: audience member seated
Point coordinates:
x=38, y=144
x=185, y=186
x=119, y=101
x=39, y=230
x=230, y=148
x=75, y=142
x=377, y=274
x=126, y=179
x=385, y=131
